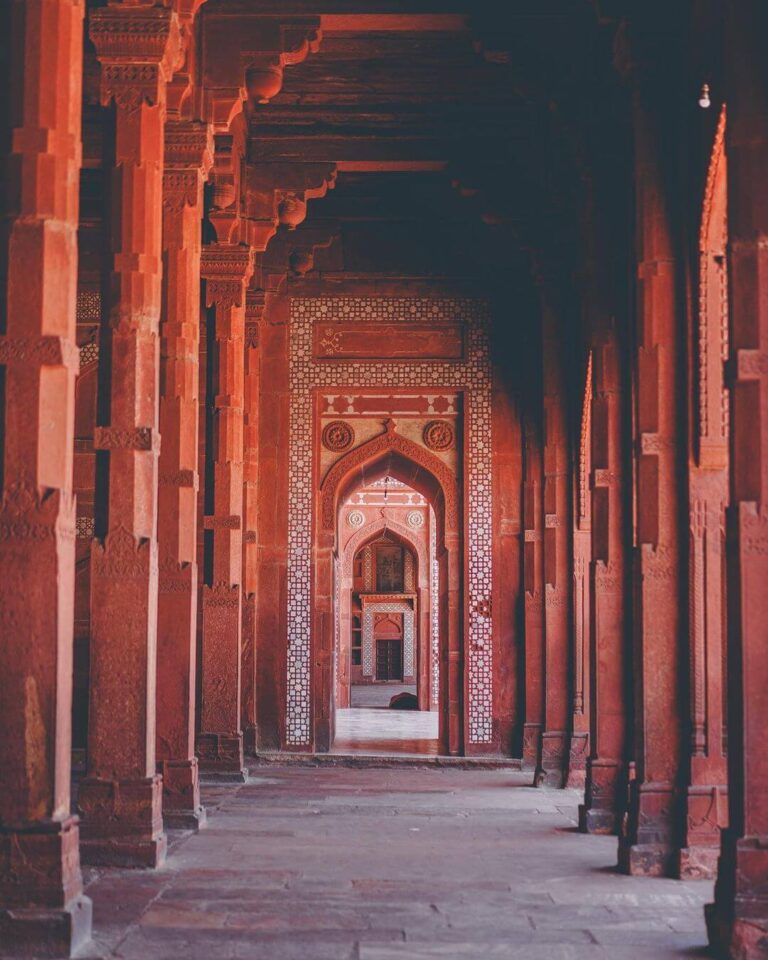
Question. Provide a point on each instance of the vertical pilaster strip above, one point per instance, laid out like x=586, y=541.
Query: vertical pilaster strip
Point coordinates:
x=605, y=793
x=120, y=799
x=253, y=315
x=557, y=574
x=533, y=579
x=707, y=793
x=582, y=520
x=188, y=159
x=651, y=835
x=226, y=269
x=42, y=908
x=738, y=920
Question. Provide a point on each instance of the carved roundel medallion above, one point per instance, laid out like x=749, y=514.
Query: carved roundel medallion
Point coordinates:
x=338, y=435
x=438, y=435
x=356, y=519
x=415, y=519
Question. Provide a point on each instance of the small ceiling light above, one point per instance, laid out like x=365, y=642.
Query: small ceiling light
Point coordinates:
x=704, y=102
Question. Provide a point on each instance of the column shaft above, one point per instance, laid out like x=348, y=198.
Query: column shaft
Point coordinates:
x=188, y=157
x=120, y=799
x=226, y=269
x=557, y=546
x=738, y=920
x=651, y=835
x=533, y=578
x=250, y=520
x=42, y=909
x=605, y=794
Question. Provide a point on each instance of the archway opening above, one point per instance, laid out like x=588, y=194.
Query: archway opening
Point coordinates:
x=388, y=644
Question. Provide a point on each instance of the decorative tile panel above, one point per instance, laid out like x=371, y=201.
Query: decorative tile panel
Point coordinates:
x=400, y=606
x=434, y=596
x=473, y=377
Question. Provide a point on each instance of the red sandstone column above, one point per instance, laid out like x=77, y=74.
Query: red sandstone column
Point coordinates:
x=253, y=310
x=226, y=268
x=582, y=520
x=272, y=526
x=605, y=794
x=188, y=148
x=120, y=799
x=507, y=479
x=707, y=794
x=42, y=909
x=738, y=920
x=651, y=833
x=557, y=573
x=533, y=579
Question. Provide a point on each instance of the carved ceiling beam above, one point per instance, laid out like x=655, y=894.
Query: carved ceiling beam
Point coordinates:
x=276, y=194
x=243, y=58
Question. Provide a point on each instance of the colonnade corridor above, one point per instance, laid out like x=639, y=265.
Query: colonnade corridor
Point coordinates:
x=354, y=350
x=308, y=862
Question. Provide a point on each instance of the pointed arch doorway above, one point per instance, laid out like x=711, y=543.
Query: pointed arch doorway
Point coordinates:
x=391, y=459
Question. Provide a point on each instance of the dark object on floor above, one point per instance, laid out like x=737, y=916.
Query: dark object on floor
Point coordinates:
x=404, y=701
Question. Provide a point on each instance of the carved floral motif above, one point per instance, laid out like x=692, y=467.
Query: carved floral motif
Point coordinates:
x=356, y=519
x=338, y=435
x=438, y=435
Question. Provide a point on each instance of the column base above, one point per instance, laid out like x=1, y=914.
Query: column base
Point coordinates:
x=551, y=772
x=707, y=816
x=577, y=761
x=736, y=938
x=182, y=809
x=220, y=758
x=605, y=793
x=531, y=745
x=737, y=922
x=594, y=820
x=648, y=847
x=697, y=863
x=122, y=822
x=646, y=859
x=37, y=932
x=186, y=819
x=250, y=740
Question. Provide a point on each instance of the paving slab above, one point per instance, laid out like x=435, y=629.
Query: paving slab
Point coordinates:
x=392, y=863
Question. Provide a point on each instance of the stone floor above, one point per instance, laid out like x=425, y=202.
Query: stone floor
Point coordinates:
x=342, y=863
x=378, y=733
x=377, y=694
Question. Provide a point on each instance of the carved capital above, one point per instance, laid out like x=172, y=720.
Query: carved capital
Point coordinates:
x=138, y=48
x=189, y=146
x=43, y=351
x=226, y=267
x=181, y=188
x=133, y=438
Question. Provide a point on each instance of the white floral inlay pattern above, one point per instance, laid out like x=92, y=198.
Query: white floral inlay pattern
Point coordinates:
x=473, y=376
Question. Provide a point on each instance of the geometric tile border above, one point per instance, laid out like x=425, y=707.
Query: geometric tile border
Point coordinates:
x=399, y=606
x=473, y=377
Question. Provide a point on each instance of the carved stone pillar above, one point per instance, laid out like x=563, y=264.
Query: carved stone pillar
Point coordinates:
x=533, y=577
x=42, y=909
x=188, y=158
x=120, y=799
x=738, y=920
x=226, y=267
x=707, y=794
x=582, y=520
x=651, y=833
x=605, y=794
x=557, y=573
x=253, y=312
x=507, y=479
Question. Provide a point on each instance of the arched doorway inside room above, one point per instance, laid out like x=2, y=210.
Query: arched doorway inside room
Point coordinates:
x=387, y=654
x=390, y=519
